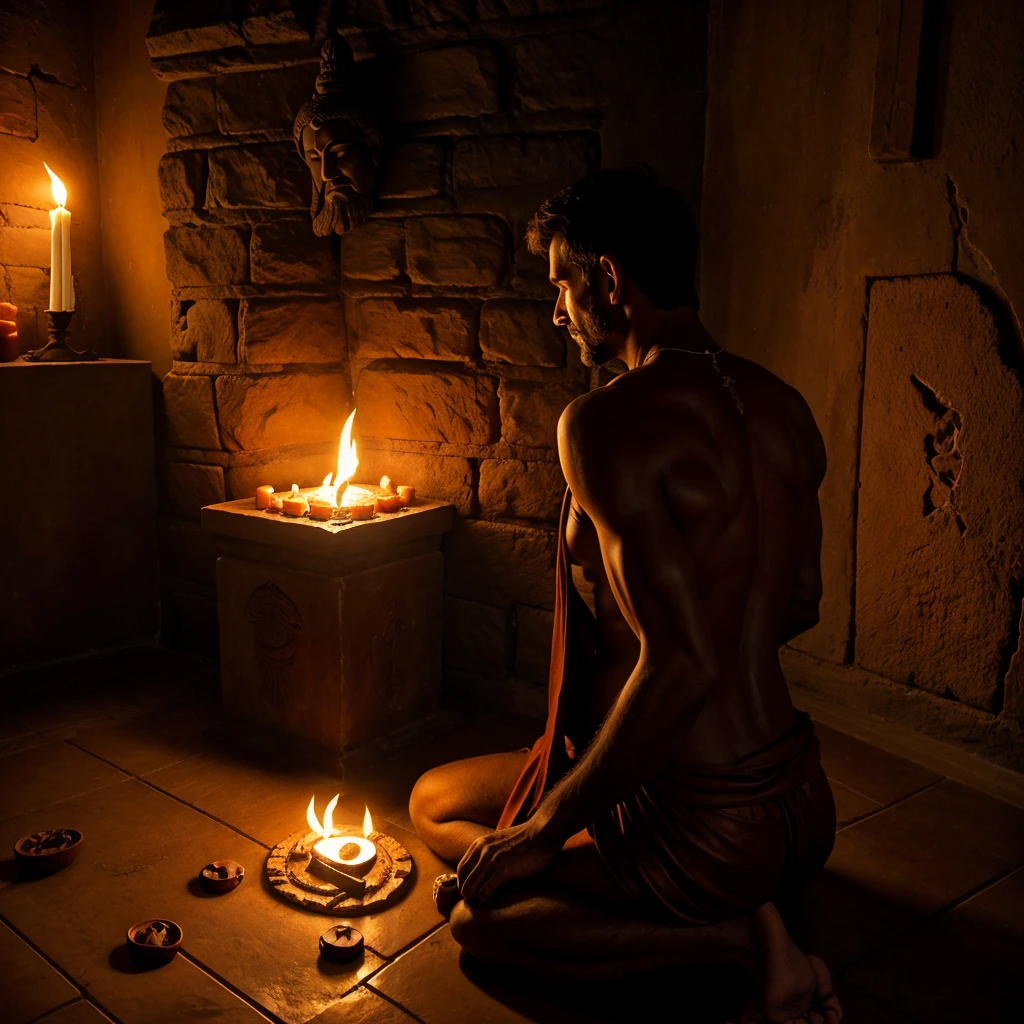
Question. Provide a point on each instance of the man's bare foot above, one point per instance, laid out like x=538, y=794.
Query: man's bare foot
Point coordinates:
x=795, y=989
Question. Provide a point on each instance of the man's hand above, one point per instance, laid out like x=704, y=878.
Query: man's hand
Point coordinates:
x=500, y=857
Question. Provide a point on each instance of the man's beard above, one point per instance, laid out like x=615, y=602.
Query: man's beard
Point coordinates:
x=594, y=333
x=338, y=212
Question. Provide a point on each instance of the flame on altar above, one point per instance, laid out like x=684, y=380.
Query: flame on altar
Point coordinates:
x=348, y=461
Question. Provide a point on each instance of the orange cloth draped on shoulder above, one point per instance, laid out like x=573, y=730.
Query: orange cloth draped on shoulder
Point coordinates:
x=703, y=844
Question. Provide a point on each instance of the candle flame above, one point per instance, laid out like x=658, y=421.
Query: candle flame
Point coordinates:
x=348, y=459
x=60, y=193
x=327, y=828
x=367, y=824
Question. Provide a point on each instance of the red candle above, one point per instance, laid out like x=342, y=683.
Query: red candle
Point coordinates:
x=8, y=332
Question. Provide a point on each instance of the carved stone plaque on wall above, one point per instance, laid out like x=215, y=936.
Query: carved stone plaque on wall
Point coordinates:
x=940, y=526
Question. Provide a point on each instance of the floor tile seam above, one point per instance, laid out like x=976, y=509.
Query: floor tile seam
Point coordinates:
x=55, y=1009
x=389, y=960
x=85, y=997
x=173, y=796
x=74, y=796
x=49, y=960
x=239, y=994
x=925, y=920
x=394, y=1002
x=856, y=792
x=895, y=803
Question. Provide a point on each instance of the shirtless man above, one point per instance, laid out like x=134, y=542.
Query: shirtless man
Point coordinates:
x=676, y=795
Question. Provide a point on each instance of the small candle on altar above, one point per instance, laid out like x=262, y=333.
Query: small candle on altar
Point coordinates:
x=407, y=494
x=361, y=511
x=265, y=496
x=388, y=503
x=320, y=509
x=294, y=505
x=62, y=287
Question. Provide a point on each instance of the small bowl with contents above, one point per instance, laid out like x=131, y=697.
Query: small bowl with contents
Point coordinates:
x=154, y=942
x=221, y=876
x=43, y=853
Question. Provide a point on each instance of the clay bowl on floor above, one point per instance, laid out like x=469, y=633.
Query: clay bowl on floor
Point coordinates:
x=43, y=853
x=221, y=876
x=154, y=942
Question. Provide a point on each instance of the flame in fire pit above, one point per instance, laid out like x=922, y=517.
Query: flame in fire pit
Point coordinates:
x=327, y=829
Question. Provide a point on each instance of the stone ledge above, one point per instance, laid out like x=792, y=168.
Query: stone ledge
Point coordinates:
x=997, y=738
x=233, y=61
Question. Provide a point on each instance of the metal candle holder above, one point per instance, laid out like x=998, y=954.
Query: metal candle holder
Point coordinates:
x=57, y=349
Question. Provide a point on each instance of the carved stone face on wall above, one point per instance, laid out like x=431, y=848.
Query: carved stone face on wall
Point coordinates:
x=337, y=134
x=342, y=161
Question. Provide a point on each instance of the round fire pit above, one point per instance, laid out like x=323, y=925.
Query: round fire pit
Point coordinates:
x=300, y=877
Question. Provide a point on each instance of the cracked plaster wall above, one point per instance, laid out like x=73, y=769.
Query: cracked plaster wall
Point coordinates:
x=797, y=220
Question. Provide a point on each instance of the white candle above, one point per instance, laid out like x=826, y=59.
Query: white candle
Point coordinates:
x=62, y=288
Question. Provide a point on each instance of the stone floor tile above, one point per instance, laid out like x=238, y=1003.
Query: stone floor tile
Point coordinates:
x=966, y=966
x=900, y=864
x=61, y=700
x=850, y=805
x=151, y=742
x=859, y=1007
x=143, y=851
x=29, y=985
x=364, y=1006
x=386, y=788
x=868, y=770
x=36, y=779
x=78, y=1013
x=429, y=982
x=440, y=985
x=265, y=799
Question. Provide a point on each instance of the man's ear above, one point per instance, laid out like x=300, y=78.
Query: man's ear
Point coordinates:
x=614, y=278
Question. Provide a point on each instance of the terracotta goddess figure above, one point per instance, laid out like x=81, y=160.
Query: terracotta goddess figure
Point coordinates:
x=676, y=801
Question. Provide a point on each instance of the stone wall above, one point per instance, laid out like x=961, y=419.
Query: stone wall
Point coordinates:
x=431, y=318
x=47, y=113
x=889, y=293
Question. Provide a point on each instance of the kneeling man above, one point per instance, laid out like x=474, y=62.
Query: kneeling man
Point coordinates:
x=675, y=797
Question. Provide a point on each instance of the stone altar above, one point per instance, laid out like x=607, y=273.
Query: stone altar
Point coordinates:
x=328, y=631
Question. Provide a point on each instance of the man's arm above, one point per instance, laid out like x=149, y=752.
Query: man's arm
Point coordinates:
x=651, y=573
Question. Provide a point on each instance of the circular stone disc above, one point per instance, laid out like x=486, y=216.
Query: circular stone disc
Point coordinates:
x=287, y=871
x=342, y=942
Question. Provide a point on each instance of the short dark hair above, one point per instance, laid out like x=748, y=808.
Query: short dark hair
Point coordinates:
x=627, y=214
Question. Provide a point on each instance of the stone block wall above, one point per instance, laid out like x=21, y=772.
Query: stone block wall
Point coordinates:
x=431, y=319
x=47, y=113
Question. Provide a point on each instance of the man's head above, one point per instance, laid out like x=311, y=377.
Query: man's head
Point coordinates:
x=338, y=137
x=611, y=239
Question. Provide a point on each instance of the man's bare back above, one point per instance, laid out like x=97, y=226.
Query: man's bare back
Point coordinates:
x=675, y=795
x=741, y=491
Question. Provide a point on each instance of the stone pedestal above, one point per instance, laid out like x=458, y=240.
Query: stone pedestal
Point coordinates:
x=78, y=555
x=330, y=632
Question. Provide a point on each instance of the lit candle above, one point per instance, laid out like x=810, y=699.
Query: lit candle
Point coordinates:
x=62, y=287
